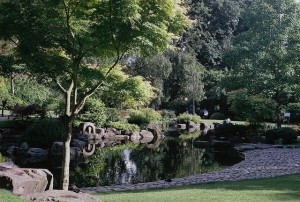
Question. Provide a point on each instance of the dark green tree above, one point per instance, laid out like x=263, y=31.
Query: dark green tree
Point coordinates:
x=215, y=24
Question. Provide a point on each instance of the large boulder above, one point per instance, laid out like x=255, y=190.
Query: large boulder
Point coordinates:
x=25, y=181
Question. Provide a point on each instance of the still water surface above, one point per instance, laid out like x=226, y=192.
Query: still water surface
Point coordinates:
x=131, y=163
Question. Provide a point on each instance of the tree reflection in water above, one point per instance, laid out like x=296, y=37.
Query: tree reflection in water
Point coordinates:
x=134, y=163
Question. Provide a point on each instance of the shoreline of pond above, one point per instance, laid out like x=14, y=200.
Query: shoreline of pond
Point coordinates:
x=258, y=163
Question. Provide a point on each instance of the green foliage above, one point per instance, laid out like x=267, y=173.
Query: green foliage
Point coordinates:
x=252, y=108
x=263, y=58
x=125, y=91
x=143, y=117
x=294, y=109
x=167, y=115
x=287, y=134
x=2, y=159
x=244, y=133
x=217, y=116
x=123, y=126
x=113, y=114
x=186, y=78
x=43, y=133
x=215, y=25
x=183, y=118
x=94, y=111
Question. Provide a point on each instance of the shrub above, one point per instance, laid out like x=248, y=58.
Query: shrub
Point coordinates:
x=123, y=126
x=183, y=118
x=167, y=115
x=44, y=133
x=229, y=130
x=217, y=116
x=33, y=109
x=288, y=135
x=143, y=117
x=112, y=114
x=294, y=109
x=94, y=111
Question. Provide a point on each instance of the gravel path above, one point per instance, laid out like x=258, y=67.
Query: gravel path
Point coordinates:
x=258, y=163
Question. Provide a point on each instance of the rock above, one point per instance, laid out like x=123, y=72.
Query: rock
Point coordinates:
x=8, y=165
x=57, y=149
x=135, y=137
x=245, y=147
x=181, y=126
x=12, y=150
x=147, y=136
x=201, y=144
x=37, y=155
x=24, y=146
x=78, y=143
x=25, y=181
x=61, y=196
x=221, y=144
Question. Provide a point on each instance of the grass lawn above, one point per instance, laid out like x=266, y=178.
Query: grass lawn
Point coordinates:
x=6, y=196
x=286, y=188
x=211, y=121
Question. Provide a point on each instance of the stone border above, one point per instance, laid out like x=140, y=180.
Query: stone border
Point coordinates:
x=262, y=163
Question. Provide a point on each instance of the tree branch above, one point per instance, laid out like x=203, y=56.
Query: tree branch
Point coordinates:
x=60, y=86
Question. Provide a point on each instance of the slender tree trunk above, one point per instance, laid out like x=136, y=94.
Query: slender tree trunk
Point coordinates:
x=66, y=157
x=12, y=85
x=66, y=153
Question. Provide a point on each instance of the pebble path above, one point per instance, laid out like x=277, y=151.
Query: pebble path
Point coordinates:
x=258, y=163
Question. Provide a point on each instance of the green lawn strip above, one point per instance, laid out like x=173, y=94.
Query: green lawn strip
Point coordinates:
x=212, y=121
x=284, y=188
x=7, y=196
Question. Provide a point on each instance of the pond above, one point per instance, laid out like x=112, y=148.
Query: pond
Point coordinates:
x=131, y=163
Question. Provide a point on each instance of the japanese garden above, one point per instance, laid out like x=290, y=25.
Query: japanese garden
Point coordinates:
x=139, y=100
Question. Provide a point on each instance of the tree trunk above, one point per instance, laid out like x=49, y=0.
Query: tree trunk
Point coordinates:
x=66, y=153
x=12, y=85
x=66, y=158
x=278, y=120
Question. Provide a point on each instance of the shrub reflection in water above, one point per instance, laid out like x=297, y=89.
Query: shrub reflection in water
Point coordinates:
x=135, y=163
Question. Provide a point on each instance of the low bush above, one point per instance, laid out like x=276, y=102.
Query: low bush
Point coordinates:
x=217, y=116
x=288, y=135
x=183, y=118
x=227, y=131
x=94, y=111
x=113, y=114
x=44, y=133
x=123, y=126
x=143, y=117
x=246, y=133
x=167, y=115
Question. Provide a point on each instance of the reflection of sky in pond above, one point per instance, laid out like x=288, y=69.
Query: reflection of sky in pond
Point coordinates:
x=130, y=167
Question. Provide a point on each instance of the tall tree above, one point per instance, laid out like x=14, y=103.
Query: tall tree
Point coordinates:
x=215, y=24
x=54, y=38
x=265, y=59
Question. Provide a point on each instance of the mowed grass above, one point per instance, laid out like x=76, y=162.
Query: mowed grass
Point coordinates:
x=286, y=188
x=6, y=196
